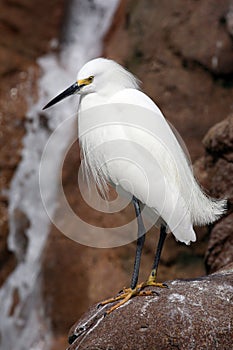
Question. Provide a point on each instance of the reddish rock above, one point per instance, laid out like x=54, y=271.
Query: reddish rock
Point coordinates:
x=62, y=263
x=7, y=259
x=214, y=49
x=220, y=246
x=229, y=18
x=219, y=139
x=27, y=28
x=221, y=180
x=190, y=314
x=216, y=169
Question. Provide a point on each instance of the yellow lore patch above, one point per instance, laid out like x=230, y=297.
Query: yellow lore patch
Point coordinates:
x=86, y=81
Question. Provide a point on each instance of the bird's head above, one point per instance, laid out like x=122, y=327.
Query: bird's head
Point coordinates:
x=100, y=75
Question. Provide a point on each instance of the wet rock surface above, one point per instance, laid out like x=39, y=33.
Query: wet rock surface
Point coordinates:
x=190, y=314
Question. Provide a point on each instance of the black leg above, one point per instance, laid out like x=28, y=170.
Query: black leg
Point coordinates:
x=162, y=237
x=128, y=293
x=140, y=243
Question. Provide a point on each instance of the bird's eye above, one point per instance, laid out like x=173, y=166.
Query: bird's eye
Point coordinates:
x=91, y=78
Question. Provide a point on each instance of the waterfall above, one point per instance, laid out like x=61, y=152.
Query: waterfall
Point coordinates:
x=23, y=324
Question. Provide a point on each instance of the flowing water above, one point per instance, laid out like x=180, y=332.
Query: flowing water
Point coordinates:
x=23, y=323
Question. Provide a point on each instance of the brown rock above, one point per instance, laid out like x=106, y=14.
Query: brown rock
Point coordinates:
x=27, y=28
x=220, y=246
x=214, y=49
x=58, y=295
x=229, y=18
x=221, y=180
x=7, y=259
x=216, y=167
x=190, y=314
x=219, y=139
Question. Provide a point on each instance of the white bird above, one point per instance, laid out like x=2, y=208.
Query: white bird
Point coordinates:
x=154, y=170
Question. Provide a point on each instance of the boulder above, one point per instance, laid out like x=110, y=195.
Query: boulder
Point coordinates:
x=190, y=314
x=220, y=246
x=216, y=169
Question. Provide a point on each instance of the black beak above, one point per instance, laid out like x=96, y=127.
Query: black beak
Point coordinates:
x=70, y=91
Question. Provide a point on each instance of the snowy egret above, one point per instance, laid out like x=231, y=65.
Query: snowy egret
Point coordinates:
x=182, y=203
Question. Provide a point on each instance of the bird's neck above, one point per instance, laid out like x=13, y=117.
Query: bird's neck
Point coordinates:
x=92, y=100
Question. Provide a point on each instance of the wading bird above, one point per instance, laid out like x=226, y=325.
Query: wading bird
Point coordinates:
x=174, y=195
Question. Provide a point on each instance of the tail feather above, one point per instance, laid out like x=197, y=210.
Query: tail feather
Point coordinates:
x=205, y=210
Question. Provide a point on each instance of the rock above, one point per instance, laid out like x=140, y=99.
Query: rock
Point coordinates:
x=220, y=246
x=219, y=139
x=220, y=185
x=190, y=314
x=216, y=169
x=27, y=28
x=7, y=259
x=229, y=18
x=21, y=237
x=59, y=299
x=213, y=50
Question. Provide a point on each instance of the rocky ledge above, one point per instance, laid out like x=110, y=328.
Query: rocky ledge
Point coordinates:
x=190, y=314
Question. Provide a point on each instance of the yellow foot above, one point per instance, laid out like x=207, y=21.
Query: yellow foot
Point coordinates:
x=152, y=281
x=129, y=293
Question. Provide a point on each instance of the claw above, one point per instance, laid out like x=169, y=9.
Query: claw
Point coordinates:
x=148, y=293
x=155, y=284
x=154, y=292
x=127, y=293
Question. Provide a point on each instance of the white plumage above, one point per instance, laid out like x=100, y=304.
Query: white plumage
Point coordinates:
x=174, y=193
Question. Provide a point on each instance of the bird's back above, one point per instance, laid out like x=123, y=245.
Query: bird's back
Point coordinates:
x=143, y=156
